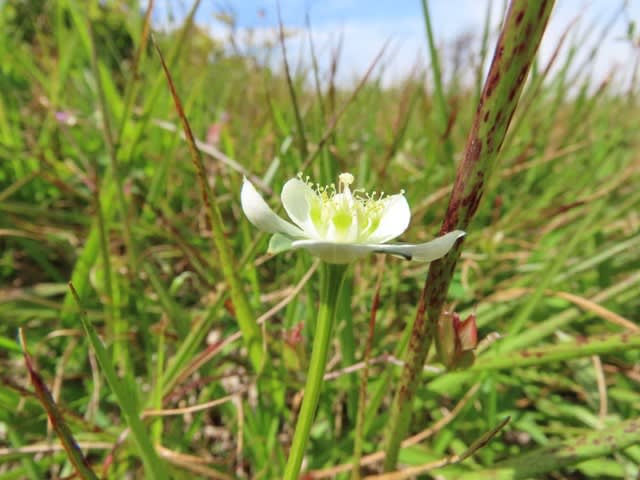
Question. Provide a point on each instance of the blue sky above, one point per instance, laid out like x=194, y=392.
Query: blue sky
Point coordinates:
x=366, y=25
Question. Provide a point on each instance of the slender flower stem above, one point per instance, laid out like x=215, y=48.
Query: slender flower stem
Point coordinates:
x=332, y=277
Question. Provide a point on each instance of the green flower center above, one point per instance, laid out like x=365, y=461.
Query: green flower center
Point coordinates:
x=340, y=215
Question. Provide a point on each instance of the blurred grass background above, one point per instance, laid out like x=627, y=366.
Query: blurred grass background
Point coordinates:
x=97, y=186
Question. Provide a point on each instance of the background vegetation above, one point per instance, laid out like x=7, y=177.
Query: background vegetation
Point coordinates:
x=97, y=187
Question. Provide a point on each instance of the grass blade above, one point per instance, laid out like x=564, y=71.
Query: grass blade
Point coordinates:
x=569, y=452
x=154, y=467
x=244, y=314
x=516, y=48
x=55, y=416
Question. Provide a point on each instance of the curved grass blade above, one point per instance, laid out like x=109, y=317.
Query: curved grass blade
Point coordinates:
x=74, y=453
x=154, y=467
x=246, y=319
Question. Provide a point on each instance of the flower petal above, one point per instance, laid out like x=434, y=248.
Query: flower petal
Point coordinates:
x=296, y=199
x=423, y=252
x=394, y=221
x=332, y=252
x=261, y=216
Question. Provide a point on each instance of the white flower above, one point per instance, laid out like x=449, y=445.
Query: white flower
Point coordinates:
x=338, y=225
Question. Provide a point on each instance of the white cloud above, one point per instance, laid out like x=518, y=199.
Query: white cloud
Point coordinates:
x=364, y=36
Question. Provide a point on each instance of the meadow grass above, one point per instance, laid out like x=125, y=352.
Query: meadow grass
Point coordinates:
x=182, y=349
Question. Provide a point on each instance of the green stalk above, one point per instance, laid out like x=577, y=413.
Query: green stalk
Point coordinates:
x=437, y=84
x=302, y=139
x=516, y=48
x=118, y=325
x=332, y=277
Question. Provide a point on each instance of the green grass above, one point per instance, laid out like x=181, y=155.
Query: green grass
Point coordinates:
x=110, y=201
